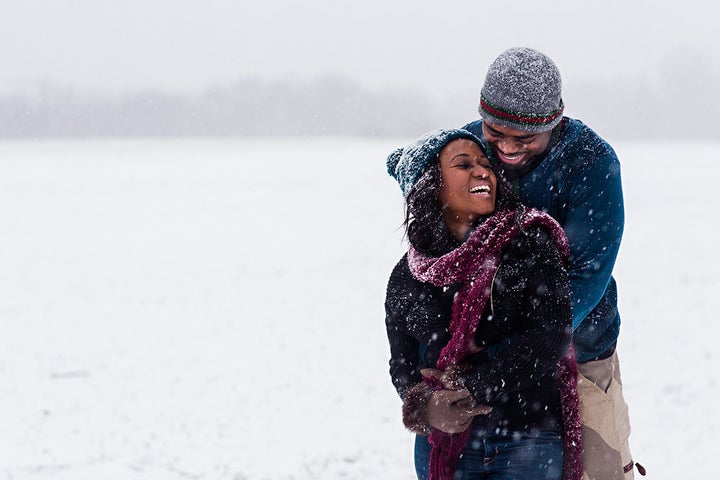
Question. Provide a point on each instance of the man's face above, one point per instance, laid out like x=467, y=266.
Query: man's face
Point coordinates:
x=515, y=148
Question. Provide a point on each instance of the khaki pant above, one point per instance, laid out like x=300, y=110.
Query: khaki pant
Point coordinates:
x=605, y=421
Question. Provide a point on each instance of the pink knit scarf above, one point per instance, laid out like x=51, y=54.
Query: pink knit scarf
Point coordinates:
x=473, y=265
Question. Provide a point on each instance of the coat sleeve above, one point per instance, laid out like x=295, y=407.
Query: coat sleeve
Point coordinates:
x=416, y=320
x=404, y=347
x=594, y=227
x=543, y=318
x=404, y=356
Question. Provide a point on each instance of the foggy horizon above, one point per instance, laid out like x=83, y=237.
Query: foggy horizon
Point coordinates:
x=641, y=70
x=642, y=109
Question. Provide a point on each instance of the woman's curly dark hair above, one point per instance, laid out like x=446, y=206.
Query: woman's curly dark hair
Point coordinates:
x=424, y=224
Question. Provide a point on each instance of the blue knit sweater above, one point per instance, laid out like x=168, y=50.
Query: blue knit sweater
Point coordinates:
x=578, y=183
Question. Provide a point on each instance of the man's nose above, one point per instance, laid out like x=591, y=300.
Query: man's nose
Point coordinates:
x=508, y=146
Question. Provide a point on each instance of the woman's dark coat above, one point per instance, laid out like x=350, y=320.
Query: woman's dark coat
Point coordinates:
x=523, y=332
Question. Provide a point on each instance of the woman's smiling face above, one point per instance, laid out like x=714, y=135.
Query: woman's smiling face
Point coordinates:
x=468, y=187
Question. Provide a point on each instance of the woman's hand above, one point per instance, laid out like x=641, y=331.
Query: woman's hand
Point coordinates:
x=452, y=411
x=451, y=379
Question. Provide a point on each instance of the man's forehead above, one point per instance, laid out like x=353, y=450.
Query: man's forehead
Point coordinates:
x=510, y=132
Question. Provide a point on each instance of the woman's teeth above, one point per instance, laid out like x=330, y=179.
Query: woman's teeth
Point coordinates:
x=480, y=189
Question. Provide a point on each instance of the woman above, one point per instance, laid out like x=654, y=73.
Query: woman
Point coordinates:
x=478, y=320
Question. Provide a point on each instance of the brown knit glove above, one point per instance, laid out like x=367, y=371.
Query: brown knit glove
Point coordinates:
x=452, y=378
x=450, y=411
x=415, y=409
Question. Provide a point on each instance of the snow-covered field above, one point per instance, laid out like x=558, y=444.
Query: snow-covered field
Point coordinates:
x=212, y=309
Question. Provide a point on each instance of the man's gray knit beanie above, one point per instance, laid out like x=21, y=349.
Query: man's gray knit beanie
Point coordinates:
x=407, y=164
x=522, y=91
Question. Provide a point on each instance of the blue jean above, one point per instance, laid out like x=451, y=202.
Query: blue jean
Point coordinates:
x=519, y=455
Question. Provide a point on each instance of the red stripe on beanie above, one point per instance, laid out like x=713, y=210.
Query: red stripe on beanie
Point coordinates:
x=526, y=119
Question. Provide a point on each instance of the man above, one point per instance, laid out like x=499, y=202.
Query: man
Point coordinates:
x=560, y=166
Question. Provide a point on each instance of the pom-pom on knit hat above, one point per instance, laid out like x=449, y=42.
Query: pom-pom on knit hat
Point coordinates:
x=522, y=90
x=407, y=164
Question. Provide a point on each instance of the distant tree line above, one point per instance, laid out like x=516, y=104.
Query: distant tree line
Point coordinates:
x=676, y=106
x=325, y=106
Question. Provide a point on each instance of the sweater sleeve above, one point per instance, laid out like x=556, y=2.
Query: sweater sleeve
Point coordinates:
x=594, y=227
x=542, y=315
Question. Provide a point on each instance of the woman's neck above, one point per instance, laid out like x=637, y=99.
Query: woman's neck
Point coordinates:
x=460, y=229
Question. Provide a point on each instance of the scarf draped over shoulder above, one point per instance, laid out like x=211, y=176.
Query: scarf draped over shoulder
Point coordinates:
x=472, y=267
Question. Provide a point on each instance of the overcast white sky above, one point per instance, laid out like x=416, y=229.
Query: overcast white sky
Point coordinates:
x=430, y=46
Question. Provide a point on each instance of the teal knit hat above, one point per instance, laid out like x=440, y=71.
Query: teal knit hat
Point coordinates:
x=407, y=164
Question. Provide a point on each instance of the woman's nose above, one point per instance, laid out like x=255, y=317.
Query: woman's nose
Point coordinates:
x=481, y=172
